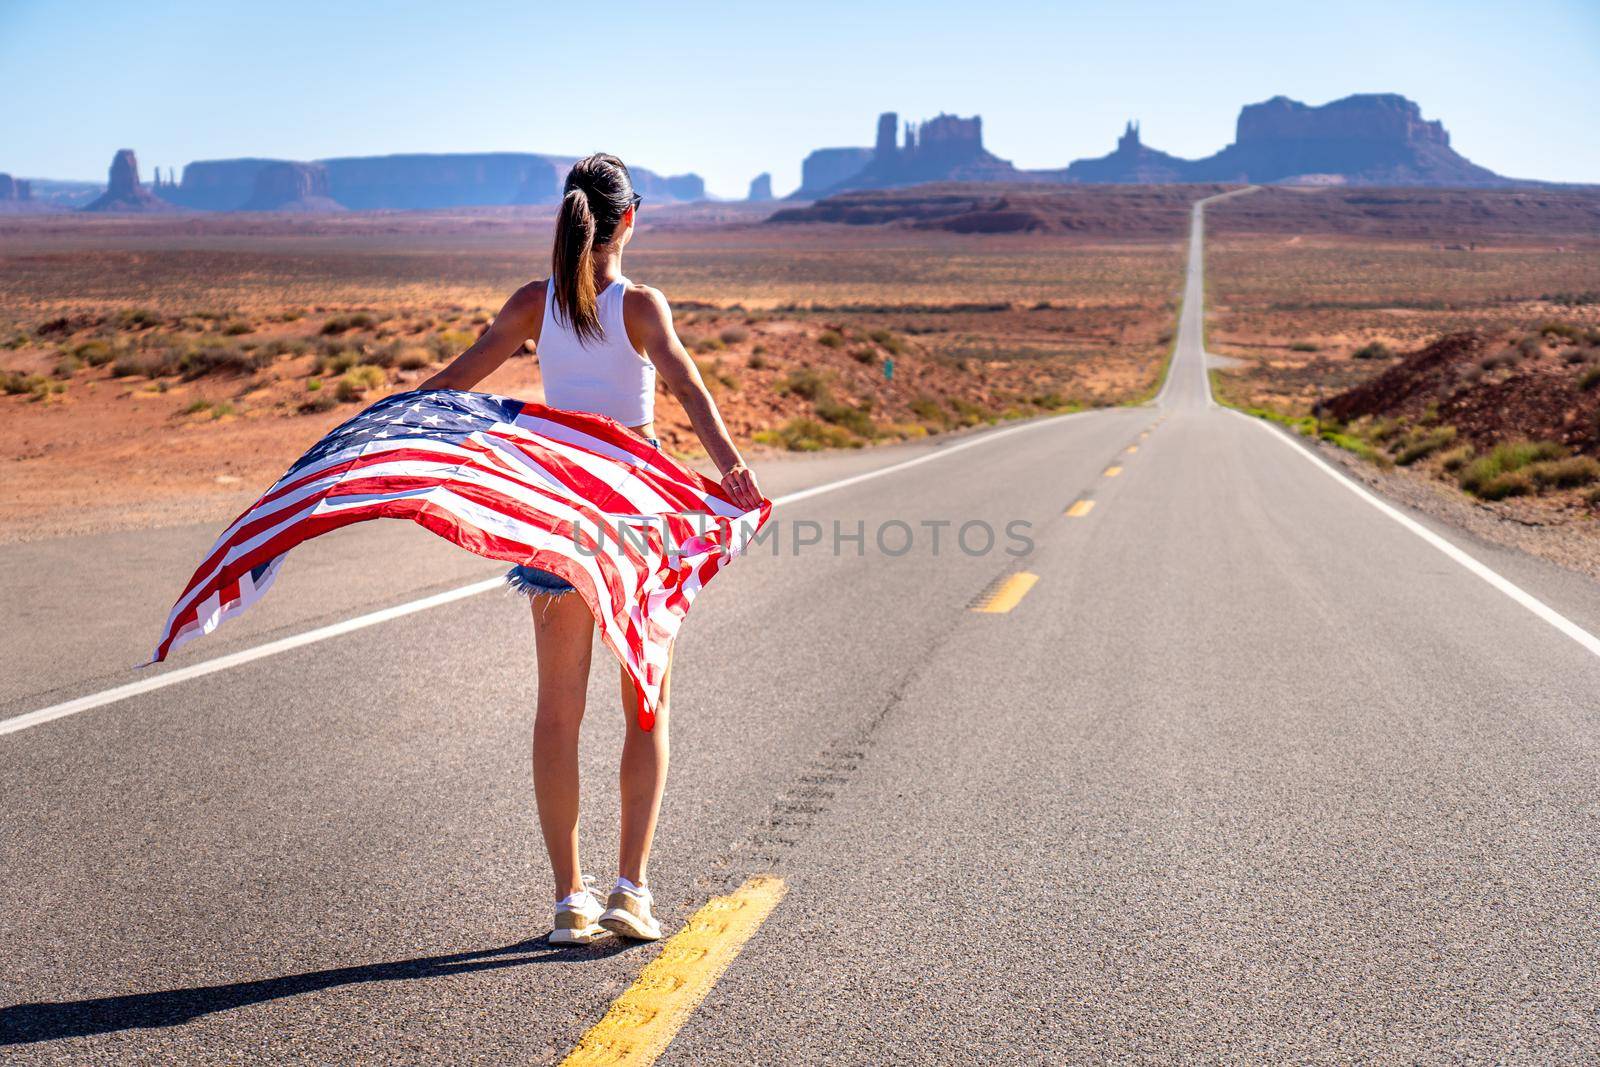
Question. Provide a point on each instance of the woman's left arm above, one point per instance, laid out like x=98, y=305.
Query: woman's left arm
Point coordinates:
x=650, y=328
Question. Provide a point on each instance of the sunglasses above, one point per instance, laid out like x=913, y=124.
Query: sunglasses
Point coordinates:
x=637, y=200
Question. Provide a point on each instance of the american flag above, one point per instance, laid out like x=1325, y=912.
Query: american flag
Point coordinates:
x=578, y=495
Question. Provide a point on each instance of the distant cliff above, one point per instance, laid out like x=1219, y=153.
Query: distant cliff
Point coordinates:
x=410, y=182
x=1371, y=139
x=298, y=187
x=828, y=168
x=1132, y=161
x=942, y=149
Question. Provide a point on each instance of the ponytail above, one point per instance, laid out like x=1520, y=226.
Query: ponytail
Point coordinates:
x=598, y=193
x=572, y=266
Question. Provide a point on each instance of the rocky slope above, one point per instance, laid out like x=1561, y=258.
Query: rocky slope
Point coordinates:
x=1493, y=388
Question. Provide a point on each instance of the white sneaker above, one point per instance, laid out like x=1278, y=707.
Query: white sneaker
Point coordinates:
x=576, y=920
x=627, y=914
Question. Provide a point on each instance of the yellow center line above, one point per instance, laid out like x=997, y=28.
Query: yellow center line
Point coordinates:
x=1143, y=435
x=1132, y=449
x=1112, y=472
x=644, y=1020
x=1008, y=595
x=1080, y=508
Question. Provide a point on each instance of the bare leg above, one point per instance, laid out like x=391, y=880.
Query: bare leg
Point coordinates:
x=563, y=633
x=644, y=777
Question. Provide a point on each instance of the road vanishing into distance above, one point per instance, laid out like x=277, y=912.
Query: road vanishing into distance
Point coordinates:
x=1239, y=762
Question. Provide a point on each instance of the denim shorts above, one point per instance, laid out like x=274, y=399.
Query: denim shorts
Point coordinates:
x=531, y=581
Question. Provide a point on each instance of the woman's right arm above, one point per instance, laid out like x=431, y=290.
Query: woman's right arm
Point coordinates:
x=519, y=320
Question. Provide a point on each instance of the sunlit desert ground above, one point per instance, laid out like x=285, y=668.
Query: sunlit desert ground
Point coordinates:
x=168, y=370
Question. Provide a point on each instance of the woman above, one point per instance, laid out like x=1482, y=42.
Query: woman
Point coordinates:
x=601, y=340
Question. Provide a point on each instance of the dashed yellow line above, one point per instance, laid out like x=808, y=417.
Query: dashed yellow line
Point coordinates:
x=1080, y=508
x=644, y=1020
x=1132, y=449
x=1007, y=595
x=1144, y=434
x=1112, y=472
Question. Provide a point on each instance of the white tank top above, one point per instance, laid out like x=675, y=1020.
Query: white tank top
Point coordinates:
x=606, y=376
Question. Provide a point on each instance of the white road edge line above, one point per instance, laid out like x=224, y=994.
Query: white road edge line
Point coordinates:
x=1544, y=611
x=361, y=622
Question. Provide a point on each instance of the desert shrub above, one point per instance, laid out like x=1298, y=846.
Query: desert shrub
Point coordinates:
x=805, y=382
x=1507, y=357
x=710, y=344
x=1040, y=305
x=1564, y=330
x=1357, y=445
x=275, y=348
x=157, y=362
x=1511, y=483
x=50, y=327
x=1419, y=446
x=1589, y=378
x=1456, y=458
x=194, y=407
x=324, y=401
x=757, y=359
x=1373, y=350
x=137, y=319
x=830, y=339
x=411, y=359
x=1051, y=401
x=808, y=435
x=855, y=419
x=1569, y=473
x=866, y=356
x=381, y=355
x=928, y=409
x=1575, y=356
x=1508, y=458
x=95, y=353
x=357, y=381
x=336, y=361
x=15, y=383
x=1592, y=496
x=447, y=344
x=313, y=384
x=68, y=365
x=734, y=335
x=1303, y=346
x=1385, y=430
x=888, y=341
x=345, y=323
x=1531, y=345
x=967, y=412
x=216, y=357
x=237, y=329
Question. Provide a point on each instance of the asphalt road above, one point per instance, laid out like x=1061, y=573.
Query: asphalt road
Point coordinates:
x=1252, y=772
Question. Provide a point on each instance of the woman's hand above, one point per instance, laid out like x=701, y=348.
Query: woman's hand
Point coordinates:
x=740, y=485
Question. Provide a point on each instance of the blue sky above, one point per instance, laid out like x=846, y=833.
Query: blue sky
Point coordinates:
x=729, y=90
